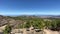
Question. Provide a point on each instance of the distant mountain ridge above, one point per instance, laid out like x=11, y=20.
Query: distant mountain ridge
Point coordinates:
x=48, y=16
x=40, y=16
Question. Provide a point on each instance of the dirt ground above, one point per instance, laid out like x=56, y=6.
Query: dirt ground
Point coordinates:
x=51, y=32
x=46, y=31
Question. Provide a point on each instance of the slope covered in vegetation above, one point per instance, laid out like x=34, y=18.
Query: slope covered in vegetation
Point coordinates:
x=28, y=21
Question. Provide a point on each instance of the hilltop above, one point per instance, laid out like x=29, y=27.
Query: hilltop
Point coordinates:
x=18, y=20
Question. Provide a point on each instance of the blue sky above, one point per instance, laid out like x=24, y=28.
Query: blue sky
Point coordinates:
x=29, y=7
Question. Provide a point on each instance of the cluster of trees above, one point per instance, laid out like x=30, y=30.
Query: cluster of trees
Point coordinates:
x=7, y=29
x=41, y=24
x=37, y=23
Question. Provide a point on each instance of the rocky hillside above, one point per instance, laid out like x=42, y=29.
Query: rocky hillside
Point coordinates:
x=17, y=21
x=4, y=20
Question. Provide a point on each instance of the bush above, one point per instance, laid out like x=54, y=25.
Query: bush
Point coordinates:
x=7, y=29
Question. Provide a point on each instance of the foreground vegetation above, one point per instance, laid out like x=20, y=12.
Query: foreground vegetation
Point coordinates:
x=37, y=23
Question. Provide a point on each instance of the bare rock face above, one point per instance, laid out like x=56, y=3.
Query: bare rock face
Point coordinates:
x=2, y=28
x=4, y=20
x=50, y=32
